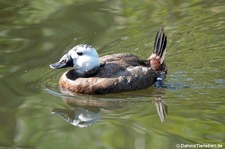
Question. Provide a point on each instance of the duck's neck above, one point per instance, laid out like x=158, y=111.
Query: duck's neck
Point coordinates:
x=73, y=73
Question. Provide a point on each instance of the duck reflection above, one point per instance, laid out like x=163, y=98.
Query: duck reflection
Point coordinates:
x=79, y=116
x=161, y=107
x=86, y=111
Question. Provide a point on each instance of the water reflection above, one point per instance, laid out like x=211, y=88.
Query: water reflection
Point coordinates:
x=79, y=116
x=86, y=111
x=161, y=107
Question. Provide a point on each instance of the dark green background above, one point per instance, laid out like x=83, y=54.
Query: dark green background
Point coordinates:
x=35, y=33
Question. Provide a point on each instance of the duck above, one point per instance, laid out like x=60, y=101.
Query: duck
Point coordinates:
x=91, y=74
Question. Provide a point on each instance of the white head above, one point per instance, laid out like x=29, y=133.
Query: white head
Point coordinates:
x=82, y=58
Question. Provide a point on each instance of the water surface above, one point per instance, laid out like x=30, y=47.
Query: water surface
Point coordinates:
x=34, y=114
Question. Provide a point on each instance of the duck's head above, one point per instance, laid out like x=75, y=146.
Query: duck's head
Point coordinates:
x=83, y=58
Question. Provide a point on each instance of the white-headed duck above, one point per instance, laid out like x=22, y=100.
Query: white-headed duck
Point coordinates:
x=111, y=73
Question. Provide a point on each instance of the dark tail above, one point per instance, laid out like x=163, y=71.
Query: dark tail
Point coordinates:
x=159, y=50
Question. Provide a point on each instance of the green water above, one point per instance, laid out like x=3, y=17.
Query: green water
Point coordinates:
x=34, y=34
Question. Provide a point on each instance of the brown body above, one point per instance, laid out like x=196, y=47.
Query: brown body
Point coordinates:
x=121, y=72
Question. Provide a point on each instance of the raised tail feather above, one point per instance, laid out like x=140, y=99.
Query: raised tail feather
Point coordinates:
x=159, y=50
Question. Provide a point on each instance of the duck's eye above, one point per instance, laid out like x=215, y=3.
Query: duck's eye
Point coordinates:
x=79, y=53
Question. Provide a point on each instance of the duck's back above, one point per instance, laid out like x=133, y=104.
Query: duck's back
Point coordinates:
x=119, y=64
x=119, y=72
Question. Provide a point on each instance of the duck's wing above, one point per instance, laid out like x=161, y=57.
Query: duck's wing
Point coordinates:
x=124, y=59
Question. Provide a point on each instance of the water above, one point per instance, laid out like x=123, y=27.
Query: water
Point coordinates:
x=34, y=114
